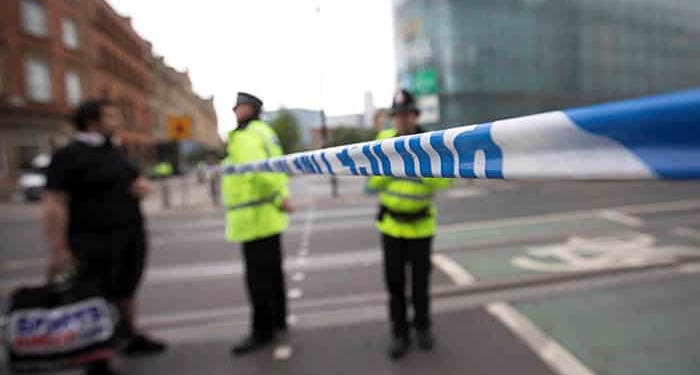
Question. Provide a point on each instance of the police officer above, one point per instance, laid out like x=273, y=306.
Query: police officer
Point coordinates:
x=256, y=214
x=407, y=221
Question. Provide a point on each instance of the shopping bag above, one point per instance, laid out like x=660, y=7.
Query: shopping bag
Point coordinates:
x=59, y=326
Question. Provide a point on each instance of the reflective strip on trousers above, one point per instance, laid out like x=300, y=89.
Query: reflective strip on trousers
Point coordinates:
x=252, y=203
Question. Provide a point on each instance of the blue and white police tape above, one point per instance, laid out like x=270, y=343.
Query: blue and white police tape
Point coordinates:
x=656, y=137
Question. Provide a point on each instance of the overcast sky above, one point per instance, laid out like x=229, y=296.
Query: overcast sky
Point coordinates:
x=278, y=49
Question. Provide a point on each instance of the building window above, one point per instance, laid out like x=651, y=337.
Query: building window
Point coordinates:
x=37, y=76
x=34, y=18
x=70, y=33
x=74, y=89
x=3, y=159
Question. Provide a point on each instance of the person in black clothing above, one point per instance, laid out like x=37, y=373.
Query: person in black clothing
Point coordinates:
x=93, y=218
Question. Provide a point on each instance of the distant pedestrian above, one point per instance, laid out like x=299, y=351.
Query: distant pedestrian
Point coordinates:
x=93, y=218
x=257, y=204
x=407, y=221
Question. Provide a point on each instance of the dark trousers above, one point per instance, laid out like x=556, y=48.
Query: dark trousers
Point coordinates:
x=265, y=282
x=398, y=254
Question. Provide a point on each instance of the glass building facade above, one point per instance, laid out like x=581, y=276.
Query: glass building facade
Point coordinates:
x=494, y=59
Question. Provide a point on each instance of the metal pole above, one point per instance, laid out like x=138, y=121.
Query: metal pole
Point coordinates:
x=324, y=143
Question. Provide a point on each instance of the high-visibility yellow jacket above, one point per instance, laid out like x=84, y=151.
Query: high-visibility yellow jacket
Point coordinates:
x=253, y=199
x=406, y=196
x=163, y=169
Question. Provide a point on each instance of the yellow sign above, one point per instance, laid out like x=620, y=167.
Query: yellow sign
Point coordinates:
x=179, y=127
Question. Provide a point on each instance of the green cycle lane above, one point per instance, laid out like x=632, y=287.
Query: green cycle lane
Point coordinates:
x=574, y=245
x=650, y=328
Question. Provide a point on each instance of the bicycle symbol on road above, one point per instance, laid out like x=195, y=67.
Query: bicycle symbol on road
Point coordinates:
x=627, y=249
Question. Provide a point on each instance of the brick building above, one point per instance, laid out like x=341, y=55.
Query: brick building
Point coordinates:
x=43, y=72
x=53, y=54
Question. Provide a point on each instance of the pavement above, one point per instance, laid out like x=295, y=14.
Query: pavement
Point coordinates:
x=536, y=278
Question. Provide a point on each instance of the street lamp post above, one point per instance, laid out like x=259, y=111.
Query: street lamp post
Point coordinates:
x=324, y=127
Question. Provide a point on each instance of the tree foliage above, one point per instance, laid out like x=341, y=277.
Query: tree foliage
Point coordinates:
x=286, y=126
x=344, y=135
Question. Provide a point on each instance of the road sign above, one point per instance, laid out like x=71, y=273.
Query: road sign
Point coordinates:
x=179, y=127
x=424, y=82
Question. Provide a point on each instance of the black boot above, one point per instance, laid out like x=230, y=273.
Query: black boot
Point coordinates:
x=100, y=368
x=425, y=339
x=251, y=344
x=399, y=345
x=141, y=345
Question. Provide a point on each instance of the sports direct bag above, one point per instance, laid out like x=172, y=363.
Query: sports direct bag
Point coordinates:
x=59, y=326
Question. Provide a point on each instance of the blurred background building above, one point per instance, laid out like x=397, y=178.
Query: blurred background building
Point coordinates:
x=53, y=54
x=173, y=96
x=306, y=120
x=119, y=71
x=480, y=60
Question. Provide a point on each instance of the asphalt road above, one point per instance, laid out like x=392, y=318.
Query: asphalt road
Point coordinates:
x=508, y=256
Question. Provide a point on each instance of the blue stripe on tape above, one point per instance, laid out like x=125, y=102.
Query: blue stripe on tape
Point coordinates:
x=325, y=161
x=373, y=164
x=318, y=167
x=345, y=159
x=409, y=167
x=386, y=163
x=308, y=166
x=297, y=164
x=423, y=157
x=447, y=160
x=662, y=131
x=266, y=166
x=466, y=145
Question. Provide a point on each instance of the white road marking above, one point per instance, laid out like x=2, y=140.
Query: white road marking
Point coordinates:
x=464, y=193
x=454, y=271
x=684, y=205
x=295, y=293
x=303, y=252
x=298, y=276
x=622, y=218
x=292, y=320
x=282, y=353
x=687, y=232
x=689, y=268
x=20, y=264
x=553, y=354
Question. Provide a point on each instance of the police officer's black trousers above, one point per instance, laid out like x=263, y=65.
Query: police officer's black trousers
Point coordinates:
x=398, y=254
x=265, y=282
